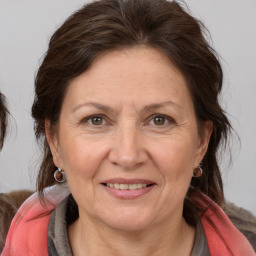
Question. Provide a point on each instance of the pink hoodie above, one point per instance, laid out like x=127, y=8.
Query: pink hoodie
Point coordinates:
x=28, y=232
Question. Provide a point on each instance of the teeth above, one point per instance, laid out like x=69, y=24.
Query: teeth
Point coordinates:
x=140, y=185
x=133, y=186
x=116, y=186
x=126, y=186
x=123, y=186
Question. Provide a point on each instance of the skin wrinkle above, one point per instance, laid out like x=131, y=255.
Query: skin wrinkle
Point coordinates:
x=109, y=109
x=89, y=157
x=165, y=155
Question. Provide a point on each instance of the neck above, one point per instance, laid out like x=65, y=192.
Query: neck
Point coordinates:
x=175, y=238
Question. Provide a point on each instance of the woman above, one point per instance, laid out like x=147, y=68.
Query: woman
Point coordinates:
x=9, y=202
x=127, y=106
x=3, y=125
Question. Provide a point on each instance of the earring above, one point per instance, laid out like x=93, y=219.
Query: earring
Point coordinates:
x=59, y=175
x=198, y=172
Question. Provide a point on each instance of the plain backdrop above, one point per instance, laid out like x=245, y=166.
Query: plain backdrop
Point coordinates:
x=25, y=29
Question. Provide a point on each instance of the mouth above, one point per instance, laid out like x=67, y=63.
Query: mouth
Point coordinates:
x=122, y=186
x=128, y=189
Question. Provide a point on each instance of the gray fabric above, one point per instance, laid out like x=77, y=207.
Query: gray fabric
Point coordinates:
x=58, y=242
x=200, y=247
x=243, y=220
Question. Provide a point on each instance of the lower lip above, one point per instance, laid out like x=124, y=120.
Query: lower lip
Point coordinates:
x=128, y=194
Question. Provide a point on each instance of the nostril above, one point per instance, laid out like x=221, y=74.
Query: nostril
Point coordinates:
x=128, y=157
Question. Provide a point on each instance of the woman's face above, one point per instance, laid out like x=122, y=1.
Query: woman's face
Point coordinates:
x=128, y=141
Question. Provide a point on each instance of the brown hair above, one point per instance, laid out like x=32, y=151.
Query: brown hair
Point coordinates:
x=108, y=25
x=10, y=203
x=3, y=119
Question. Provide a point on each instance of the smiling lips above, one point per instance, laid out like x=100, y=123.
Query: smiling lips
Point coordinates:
x=127, y=186
x=128, y=189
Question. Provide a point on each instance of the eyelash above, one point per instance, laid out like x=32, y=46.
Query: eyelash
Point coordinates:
x=166, y=118
x=89, y=119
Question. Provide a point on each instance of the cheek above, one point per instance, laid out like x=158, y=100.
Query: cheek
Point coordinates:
x=81, y=159
x=81, y=165
x=175, y=157
x=174, y=160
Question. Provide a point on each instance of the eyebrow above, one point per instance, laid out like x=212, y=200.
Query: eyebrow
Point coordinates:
x=155, y=106
x=92, y=104
x=105, y=108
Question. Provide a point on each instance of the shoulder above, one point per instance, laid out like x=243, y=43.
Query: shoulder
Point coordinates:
x=10, y=203
x=28, y=232
x=222, y=235
x=243, y=220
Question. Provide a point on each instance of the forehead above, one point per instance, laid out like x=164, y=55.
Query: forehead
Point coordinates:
x=143, y=74
x=140, y=64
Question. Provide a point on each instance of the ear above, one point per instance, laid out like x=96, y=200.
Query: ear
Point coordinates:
x=52, y=140
x=204, y=138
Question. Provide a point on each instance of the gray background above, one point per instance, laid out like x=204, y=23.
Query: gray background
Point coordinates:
x=25, y=28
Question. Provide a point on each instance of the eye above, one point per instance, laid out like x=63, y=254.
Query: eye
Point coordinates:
x=96, y=120
x=160, y=120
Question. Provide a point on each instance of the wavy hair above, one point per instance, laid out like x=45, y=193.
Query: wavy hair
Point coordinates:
x=108, y=25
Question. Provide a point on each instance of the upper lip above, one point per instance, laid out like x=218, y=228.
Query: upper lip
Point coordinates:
x=128, y=181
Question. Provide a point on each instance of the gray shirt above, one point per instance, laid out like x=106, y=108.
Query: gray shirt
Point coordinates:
x=67, y=212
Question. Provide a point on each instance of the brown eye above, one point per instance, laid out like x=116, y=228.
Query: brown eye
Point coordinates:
x=159, y=120
x=96, y=120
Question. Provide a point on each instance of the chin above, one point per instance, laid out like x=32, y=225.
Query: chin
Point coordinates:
x=128, y=221
x=128, y=225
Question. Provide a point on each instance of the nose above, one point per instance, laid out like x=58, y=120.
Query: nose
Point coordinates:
x=127, y=149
